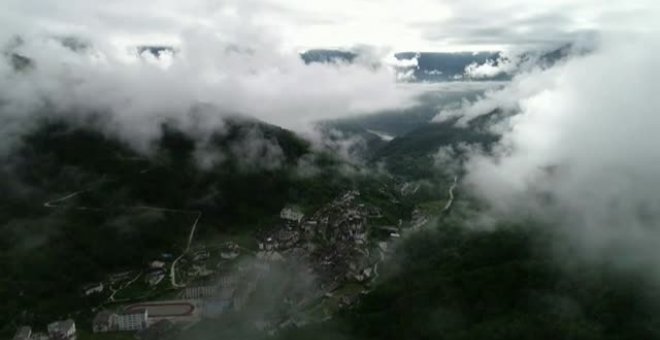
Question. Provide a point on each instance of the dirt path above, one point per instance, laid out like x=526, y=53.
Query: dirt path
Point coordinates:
x=451, y=195
x=185, y=251
x=191, y=234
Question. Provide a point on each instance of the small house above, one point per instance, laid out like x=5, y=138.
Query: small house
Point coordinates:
x=291, y=213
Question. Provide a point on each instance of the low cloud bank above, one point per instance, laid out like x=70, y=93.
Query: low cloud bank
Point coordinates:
x=195, y=85
x=581, y=148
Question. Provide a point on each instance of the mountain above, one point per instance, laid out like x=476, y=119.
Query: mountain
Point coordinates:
x=397, y=254
x=79, y=204
x=327, y=56
x=406, y=140
x=459, y=281
x=446, y=66
x=401, y=121
x=452, y=66
x=155, y=50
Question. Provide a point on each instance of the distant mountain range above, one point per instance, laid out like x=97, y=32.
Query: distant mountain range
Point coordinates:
x=447, y=66
x=327, y=56
x=411, y=66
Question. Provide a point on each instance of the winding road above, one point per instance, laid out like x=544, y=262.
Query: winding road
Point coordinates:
x=451, y=195
x=185, y=251
x=191, y=234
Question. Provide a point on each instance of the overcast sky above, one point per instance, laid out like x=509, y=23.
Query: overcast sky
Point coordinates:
x=299, y=24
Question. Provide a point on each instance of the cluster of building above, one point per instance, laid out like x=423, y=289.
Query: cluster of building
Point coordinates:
x=332, y=244
x=229, y=291
x=223, y=290
x=150, y=318
x=333, y=241
x=58, y=330
x=132, y=320
x=340, y=233
x=143, y=316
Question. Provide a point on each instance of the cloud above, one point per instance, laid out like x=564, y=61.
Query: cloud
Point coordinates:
x=234, y=69
x=515, y=24
x=582, y=149
x=512, y=62
x=491, y=68
x=254, y=151
x=405, y=68
x=403, y=62
x=228, y=57
x=419, y=25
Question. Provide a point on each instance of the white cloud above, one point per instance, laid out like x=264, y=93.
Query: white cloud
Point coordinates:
x=583, y=149
x=412, y=25
x=490, y=68
x=243, y=73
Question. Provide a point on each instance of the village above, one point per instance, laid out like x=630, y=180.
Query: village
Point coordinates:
x=337, y=247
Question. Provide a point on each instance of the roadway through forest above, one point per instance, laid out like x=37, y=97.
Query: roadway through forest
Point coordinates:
x=451, y=195
x=185, y=251
x=191, y=233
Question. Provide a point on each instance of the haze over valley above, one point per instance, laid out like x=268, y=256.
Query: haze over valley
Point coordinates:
x=342, y=170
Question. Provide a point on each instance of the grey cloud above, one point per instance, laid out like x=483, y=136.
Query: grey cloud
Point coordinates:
x=473, y=31
x=234, y=68
x=522, y=23
x=581, y=150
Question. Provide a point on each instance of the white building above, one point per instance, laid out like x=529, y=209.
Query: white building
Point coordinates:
x=291, y=213
x=62, y=330
x=133, y=320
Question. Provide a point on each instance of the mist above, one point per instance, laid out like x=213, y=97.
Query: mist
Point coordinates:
x=579, y=149
x=196, y=86
x=124, y=124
